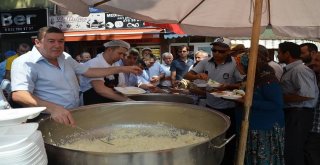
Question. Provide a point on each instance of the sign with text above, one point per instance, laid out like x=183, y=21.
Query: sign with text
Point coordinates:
x=74, y=22
x=23, y=20
x=114, y=21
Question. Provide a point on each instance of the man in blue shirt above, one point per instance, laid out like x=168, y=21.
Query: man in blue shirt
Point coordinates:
x=300, y=91
x=130, y=59
x=47, y=76
x=179, y=67
x=151, y=75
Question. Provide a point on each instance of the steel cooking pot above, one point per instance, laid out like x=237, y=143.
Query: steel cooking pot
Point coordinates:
x=182, y=116
x=163, y=97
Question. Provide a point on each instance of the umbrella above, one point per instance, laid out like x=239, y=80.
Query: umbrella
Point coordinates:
x=227, y=18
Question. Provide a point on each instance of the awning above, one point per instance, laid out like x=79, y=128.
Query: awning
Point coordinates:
x=112, y=34
x=172, y=36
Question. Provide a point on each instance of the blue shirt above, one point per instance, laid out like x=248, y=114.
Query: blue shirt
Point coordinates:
x=167, y=71
x=156, y=69
x=2, y=70
x=181, y=67
x=300, y=80
x=266, y=109
x=32, y=72
x=130, y=78
x=144, y=78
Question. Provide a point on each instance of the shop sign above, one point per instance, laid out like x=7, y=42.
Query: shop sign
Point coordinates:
x=74, y=22
x=23, y=20
x=114, y=21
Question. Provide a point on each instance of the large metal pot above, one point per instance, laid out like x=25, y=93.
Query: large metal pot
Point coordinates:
x=182, y=116
x=163, y=97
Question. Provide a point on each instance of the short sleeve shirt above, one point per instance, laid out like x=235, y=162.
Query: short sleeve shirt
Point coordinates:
x=181, y=67
x=222, y=73
x=98, y=62
x=32, y=72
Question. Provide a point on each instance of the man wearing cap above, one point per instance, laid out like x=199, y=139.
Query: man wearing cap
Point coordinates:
x=100, y=90
x=146, y=52
x=223, y=69
x=47, y=76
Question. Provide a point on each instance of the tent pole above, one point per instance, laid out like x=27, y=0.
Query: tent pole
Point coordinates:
x=250, y=81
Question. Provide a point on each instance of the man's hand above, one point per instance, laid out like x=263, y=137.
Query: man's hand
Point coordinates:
x=155, y=79
x=63, y=116
x=202, y=76
x=132, y=69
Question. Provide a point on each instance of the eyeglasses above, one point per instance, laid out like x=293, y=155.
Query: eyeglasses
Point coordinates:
x=219, y=51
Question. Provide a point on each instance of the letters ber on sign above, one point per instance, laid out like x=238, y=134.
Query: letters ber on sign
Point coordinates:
x=23, y=20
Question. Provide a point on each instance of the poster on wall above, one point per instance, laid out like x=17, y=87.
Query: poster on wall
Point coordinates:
x=114, y=21
x=23, y=20
x=74, y=22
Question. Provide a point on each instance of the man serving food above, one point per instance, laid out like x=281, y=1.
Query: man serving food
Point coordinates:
x=47, y=76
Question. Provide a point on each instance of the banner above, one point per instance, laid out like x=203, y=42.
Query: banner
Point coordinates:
x=114, y=21
x=23, y=20
x=74, y=22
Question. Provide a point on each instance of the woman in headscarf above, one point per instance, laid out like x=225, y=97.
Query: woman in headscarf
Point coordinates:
x=266, y=131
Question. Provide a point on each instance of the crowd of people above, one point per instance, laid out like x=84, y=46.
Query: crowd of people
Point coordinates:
x=285, y=114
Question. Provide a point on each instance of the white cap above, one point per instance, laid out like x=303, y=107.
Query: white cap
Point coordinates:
x=146, y=48
x=117, y=43
x=221, y=40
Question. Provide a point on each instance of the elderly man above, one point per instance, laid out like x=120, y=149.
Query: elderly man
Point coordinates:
x=47, y=76
x=100, y=90
x=199, y=56
x=167, y=59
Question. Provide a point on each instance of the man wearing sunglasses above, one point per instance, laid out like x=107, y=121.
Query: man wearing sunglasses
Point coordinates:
x=180, y=66
x=221, y=68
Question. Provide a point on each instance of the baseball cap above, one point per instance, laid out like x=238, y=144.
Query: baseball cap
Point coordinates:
x=10, y=53
x=117, y=43
x=222, y=41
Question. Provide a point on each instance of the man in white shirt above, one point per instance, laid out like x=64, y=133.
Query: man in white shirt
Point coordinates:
x=100, y=90
x=167, y=59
